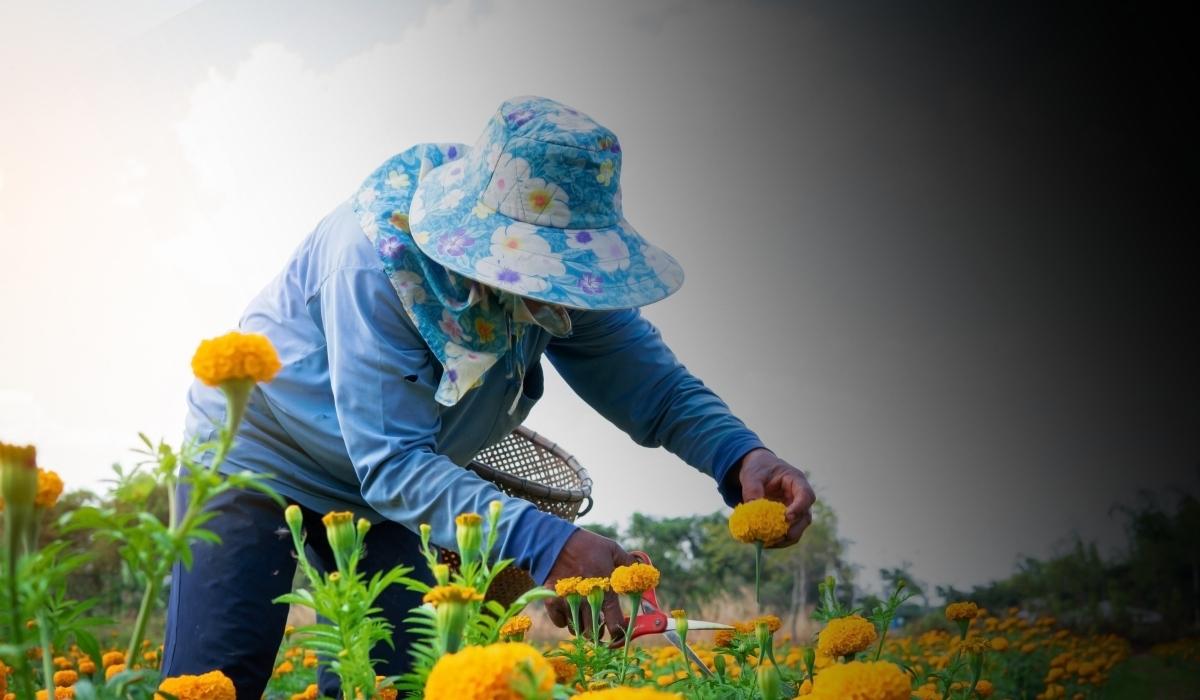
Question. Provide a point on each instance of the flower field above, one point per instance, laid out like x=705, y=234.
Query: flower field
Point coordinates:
x=471, y=647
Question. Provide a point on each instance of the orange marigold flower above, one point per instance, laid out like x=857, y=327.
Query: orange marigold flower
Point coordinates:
x=235, y=356
x=564, y=670
x=519, y=624
x=587, y=585
x=452, y=594
x=760, y=520
x=110, y=671
x=772, y=621
x=65, y=678
x=862, y=680
x=309, y=693
x=961, y=611
x=488, y=673
x=984, y=688
x=59, y=694
x=635, y=578
x=49, y=488
x=566, y=586
x=213, y=685
x=112, y=657
x=845, y=636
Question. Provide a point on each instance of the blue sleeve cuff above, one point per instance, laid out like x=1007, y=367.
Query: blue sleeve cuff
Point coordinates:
x=535, y=540
x=729, y=454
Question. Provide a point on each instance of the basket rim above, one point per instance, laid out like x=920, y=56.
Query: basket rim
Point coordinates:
x=533, y=488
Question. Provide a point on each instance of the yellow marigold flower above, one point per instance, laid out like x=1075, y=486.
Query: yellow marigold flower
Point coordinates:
x=629, y=694
x=49, y=488
x=634, y=578
x=961, y=611
x=587, y=585
x=112, y=657
x=518, y=624
x=1000, y=644
x=213, y=685
x=235, y=357
x=488, y=673
x=566, y=586
x=59, y=694
x=65, y=678
x=87, y=667
x=862, y=680
x=110, y=671
x=845, y=636
x=452, y=594
x=760, y=520
x=466, y=519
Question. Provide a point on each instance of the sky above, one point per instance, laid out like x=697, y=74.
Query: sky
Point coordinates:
x=934, y=253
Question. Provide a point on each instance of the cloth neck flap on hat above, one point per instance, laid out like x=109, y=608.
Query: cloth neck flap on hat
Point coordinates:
x=466, y=327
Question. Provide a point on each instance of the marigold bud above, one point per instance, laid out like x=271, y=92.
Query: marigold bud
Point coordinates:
x=469, y=533
x=342, y=536
x=294, y=517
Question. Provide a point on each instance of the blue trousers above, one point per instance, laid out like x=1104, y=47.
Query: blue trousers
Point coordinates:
x=220, y=615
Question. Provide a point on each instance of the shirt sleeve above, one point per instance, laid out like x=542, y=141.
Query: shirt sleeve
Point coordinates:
x=384, y=378
x=618, y=363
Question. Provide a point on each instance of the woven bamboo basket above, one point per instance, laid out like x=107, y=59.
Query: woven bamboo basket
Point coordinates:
x=528, y=465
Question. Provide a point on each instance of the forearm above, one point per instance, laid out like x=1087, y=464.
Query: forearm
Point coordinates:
x=423, y=487
x=619, y=364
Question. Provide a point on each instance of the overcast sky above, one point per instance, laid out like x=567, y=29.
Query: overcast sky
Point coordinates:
x=933, y=255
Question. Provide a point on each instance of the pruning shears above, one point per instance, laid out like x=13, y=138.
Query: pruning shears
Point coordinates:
x=652, y=620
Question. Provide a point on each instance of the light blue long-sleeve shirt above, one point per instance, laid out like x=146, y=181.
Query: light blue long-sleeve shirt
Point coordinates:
x=350, y=421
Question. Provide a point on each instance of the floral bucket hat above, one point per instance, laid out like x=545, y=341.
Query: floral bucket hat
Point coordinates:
x=534, y=208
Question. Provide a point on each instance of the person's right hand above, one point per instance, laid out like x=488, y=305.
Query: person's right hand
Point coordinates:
x=587, y=554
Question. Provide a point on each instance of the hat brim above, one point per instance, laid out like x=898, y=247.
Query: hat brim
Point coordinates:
x=604, y=268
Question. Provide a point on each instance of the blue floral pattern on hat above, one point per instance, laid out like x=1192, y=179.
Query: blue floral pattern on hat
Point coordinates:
x=534, y=208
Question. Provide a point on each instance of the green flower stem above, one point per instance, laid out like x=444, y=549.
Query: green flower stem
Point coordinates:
x=595, y=625
x=47, y=657
x=573, y=600
x=22, y=673
x=953, y=666
x=635, y=601
x=139, y=627
x=758, y=547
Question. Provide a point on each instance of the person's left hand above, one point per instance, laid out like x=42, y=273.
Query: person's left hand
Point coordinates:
x=763, y=475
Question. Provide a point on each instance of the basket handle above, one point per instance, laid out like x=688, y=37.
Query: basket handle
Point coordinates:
x=586, y=509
